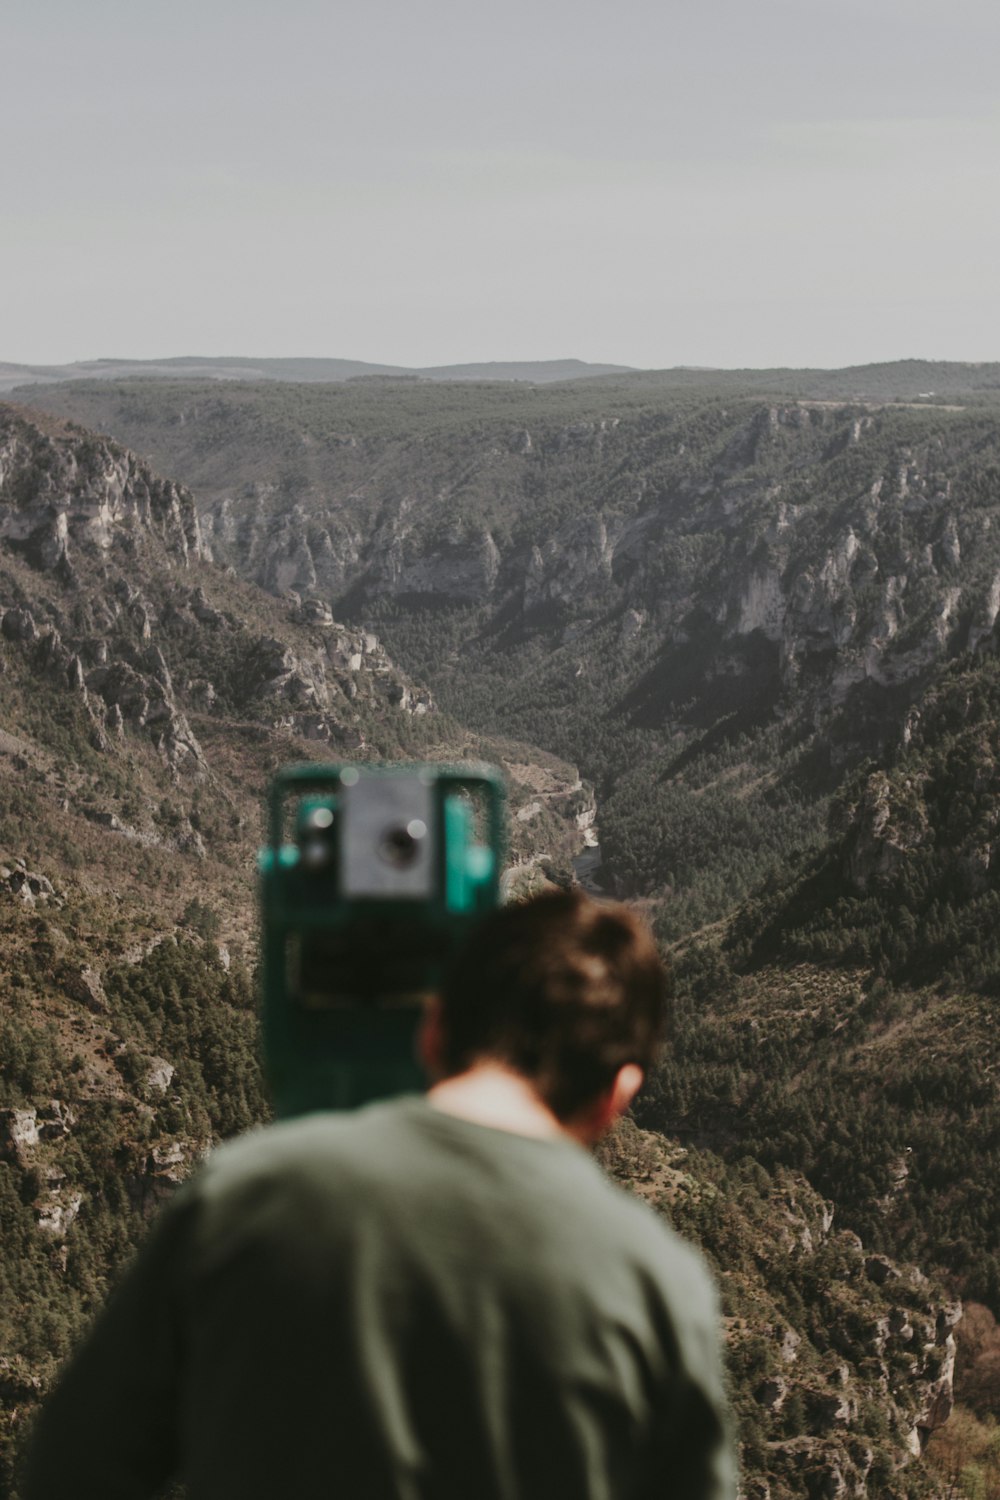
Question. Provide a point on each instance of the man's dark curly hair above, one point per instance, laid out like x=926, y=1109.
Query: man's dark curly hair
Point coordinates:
x=561, y=988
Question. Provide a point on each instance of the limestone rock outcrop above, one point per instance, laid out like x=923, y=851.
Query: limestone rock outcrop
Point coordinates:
x=27, y=886
x=61, y=491
x=117, y=620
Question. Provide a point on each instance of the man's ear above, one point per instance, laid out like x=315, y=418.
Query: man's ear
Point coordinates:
x=628, y=1081
x=430, y=1039
x=598, y=1118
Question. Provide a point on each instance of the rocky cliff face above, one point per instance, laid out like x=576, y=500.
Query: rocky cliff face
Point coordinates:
x=62, y=489
x=827, y=549
x=103, y=578
x=76, y=512
x=862, y=557
x=110, y=601
x=289, y=550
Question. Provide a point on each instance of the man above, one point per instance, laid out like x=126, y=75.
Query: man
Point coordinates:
x=436, y=1298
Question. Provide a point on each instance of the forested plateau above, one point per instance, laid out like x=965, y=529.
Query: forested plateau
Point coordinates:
x=742, y=626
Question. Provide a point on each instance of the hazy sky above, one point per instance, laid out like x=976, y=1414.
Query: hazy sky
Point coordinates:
x=653, y=182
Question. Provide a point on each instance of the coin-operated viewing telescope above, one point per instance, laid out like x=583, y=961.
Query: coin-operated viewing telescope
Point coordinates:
x=370, y=881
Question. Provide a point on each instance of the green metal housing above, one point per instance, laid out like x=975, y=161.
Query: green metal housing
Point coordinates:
x=370, y=881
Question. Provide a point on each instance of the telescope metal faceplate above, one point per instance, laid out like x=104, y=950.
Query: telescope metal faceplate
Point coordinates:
x=385, y=848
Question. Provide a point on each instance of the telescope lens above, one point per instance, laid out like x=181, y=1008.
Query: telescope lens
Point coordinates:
x=401, y=845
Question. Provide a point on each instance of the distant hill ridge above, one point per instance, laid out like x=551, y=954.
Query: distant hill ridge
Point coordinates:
x=229, y=367
x=904, y=381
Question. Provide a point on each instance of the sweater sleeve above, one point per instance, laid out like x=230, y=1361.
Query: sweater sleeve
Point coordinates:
x=693, y=1454
x=696, y=1461
x=109, y=1427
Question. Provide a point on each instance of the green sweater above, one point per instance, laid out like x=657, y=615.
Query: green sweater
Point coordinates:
x=397, y=1305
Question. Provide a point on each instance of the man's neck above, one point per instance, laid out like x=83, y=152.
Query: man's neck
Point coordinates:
x=490, y=1094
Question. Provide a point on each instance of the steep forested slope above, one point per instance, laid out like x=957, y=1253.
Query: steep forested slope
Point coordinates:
x=848, y=1022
